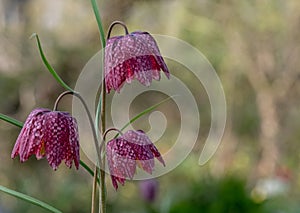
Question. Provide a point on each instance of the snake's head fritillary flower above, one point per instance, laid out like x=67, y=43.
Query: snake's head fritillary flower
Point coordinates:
x=49, y=133
x=132, y=56
x=149, y=189
x=125, y=152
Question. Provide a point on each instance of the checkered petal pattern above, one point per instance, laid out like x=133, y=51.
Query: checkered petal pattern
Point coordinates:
x=50, y=134
x=126, y=152
x=132, y=56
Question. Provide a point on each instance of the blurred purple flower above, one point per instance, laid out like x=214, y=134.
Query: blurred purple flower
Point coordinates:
x=128, y=150
x=148, y=189
x=49, y=133
x=135, y=55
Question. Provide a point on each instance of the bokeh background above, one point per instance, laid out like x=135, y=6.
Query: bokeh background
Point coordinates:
x=253, y=46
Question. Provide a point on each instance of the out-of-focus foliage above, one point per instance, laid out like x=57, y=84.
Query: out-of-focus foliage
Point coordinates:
x=253, y=45
x=211, y=196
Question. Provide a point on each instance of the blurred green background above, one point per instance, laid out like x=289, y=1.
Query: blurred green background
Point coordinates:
x=253, y=45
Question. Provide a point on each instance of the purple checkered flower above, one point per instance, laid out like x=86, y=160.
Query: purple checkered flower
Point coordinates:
x=49, y=133
x=132, y=56
x=125, y=152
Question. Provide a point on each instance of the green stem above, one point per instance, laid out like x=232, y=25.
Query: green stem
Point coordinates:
x=101, y=105
x=97, y=117
x=102, y=207
x=94, y=192
x=102, y=145
x=96, y=143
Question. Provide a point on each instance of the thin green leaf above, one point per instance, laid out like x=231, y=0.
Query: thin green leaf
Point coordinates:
x=11, y=120
x=29, y=199
x=88, y=169
x=20, y=124
x=99, y=22
x=144, y=112
x=49, y=67
x=103, y=43
x=97, y=117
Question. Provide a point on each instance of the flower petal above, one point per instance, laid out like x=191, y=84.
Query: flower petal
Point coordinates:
x=72, y=146
x=137, y=137
x=50, y=134
x=30, y=136
x=121, y=158
x=56, y=137
x=135, y=55
x=125, y=152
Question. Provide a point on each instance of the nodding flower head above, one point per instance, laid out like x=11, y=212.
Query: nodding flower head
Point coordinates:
x=125, y=152
x=49, y=133
x=132, y=56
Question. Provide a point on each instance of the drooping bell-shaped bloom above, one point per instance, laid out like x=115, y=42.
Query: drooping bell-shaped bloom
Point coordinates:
x=132, y=56
x=49, y=133
x=125, y=152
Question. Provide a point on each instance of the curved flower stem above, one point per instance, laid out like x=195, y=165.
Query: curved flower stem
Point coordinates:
x=105, y=133
x=115, y=23
x=96, y=143
x=111, y=129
